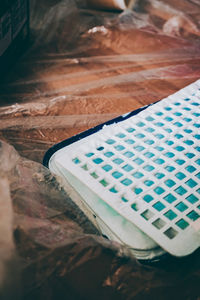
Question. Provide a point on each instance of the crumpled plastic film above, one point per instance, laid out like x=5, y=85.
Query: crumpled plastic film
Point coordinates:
x=82, y=68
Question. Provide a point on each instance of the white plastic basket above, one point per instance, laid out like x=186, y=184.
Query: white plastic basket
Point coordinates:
x=142, y=175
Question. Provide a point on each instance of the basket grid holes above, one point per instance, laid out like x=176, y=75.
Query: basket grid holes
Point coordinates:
x=130, y=144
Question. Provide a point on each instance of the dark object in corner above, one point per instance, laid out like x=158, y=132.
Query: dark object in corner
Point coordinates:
x=14, y=31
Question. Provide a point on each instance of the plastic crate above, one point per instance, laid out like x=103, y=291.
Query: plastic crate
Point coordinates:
x=142, y=171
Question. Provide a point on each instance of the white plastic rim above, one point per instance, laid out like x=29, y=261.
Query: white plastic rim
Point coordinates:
x=112, y=4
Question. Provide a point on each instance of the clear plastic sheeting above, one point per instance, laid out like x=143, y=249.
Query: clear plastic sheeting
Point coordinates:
x=82, y=68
